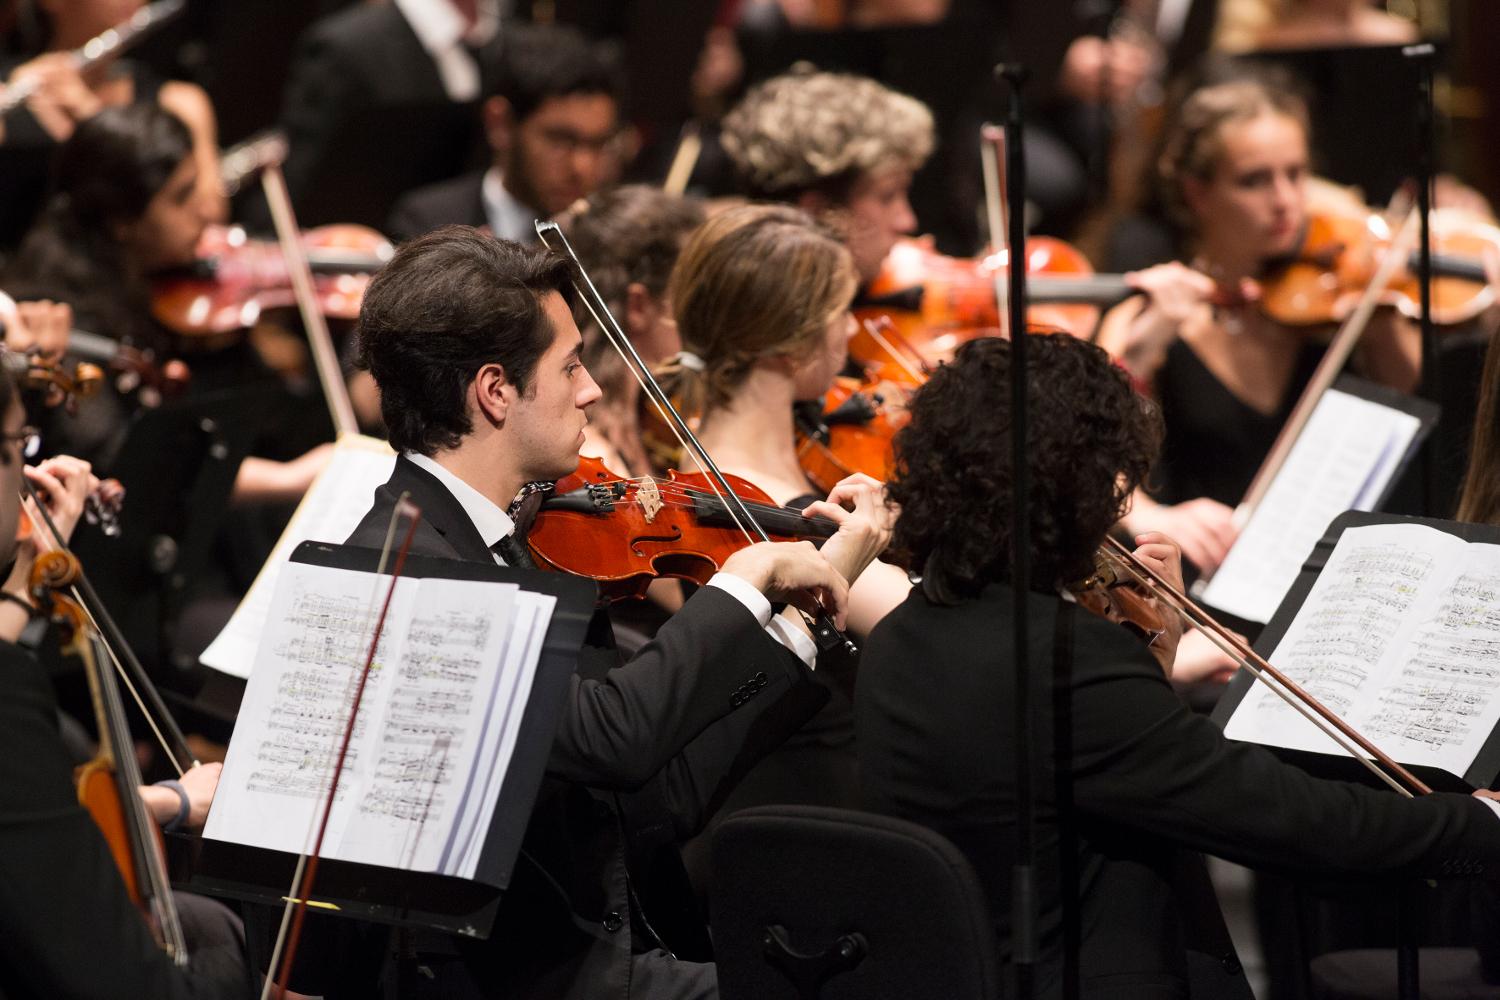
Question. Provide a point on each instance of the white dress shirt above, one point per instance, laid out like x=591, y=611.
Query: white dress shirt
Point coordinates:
x=509, y=219
x=444, y=36
x=494, y=524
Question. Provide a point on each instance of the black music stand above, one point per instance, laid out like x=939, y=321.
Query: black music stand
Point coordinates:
x=421, y=899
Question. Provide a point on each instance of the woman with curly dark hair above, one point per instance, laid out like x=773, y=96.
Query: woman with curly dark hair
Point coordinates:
x=1133, y=782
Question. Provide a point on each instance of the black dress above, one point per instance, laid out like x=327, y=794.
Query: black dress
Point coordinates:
x=1215, y=441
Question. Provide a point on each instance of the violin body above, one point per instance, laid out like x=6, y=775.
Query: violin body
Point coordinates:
x=937, y=302
x=625, y=533
x=854, y=432
x=237, y=278
x=1341, y=251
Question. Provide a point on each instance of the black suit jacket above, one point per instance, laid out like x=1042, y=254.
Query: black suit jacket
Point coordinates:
x=367, y=119
x=1148, y=779
x=644, y=752
x=453, y=202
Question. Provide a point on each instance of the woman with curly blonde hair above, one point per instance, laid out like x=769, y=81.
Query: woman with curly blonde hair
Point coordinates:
x=842, y=148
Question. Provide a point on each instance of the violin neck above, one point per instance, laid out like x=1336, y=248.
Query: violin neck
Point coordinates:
x=1089, y=289
x=1448, y=266
x=782, y=521
x=332, y=260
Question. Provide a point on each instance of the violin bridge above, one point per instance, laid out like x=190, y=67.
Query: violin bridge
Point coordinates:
x=649, y=497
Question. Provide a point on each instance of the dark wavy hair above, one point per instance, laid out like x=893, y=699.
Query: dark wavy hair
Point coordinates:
x=537, y=62
x=1091, y=439
x=447, y=304
x=103, y=177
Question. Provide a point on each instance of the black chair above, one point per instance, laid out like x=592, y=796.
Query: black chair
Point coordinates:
x=812, y=903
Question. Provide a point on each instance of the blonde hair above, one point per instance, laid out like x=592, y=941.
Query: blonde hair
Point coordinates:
x=754, y=282
x=1196, y=138
x=807, y=130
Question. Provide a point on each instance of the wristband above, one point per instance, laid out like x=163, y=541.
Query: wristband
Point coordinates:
x=184, y=807
x=20, y=602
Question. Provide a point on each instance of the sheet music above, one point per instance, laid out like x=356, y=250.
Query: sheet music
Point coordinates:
x=1400, y=636
x=437, y=725
x=332, y=508
x=1343, y=460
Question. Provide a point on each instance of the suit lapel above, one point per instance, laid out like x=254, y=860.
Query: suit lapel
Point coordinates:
x=440, y=510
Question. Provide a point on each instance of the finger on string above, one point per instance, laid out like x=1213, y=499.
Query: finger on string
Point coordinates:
x=831, y=511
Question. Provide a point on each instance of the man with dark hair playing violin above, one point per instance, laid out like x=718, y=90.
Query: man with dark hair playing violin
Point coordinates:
x=67, y=926
x=475, y=351
x=1136, y=780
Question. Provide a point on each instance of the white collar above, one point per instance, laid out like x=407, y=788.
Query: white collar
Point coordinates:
x=492, y=523
x=509, y=219
x=442, y=33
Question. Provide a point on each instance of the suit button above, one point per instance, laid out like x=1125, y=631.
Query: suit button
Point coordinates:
x=613, y=921
x=760, y=679
x=1231, y=964
x=736, y=699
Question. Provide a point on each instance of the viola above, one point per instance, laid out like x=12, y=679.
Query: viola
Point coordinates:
x=1117, y=597
x=236, y=278
x=1340, y=251
x=625, y=533
x=937, y=302
x=107, y=785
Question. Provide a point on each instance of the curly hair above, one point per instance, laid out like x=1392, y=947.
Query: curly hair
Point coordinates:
x=1196, y=138
x=820, y=131
x=754, y=282
x=1091, y=440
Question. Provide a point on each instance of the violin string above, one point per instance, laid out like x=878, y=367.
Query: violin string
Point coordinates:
x=873, y=329
x=114, y=659
x=614, y=334
x=687, y=498
x=1271, y=682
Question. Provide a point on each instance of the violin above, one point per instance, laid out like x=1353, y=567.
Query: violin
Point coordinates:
x=937, y=302
x=1119, y=597
x=236, y=278
x=1340, y=250
x=107, y=785
x=851, y=430
x=624, y=533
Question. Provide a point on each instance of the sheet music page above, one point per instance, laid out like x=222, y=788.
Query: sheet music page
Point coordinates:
x=287, y=736
x=438, y=696
x=334, y=505
x=436, y=728
x=1400, y=636
x=1343, y=460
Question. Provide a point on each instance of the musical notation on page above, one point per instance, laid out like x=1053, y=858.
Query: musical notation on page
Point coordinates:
x=1400, y=635
x=436, y=727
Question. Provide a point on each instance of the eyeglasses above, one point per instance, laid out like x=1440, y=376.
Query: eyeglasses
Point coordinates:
x=566, y=142
x=30, y=440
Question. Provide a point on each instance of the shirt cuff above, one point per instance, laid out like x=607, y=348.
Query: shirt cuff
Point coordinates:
x=782, y=631
x=1492, y=804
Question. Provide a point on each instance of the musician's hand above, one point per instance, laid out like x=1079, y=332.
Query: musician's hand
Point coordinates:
x=1198, y=659
x=1203, y=528
x=793, y=572
x=1160, y=554
x=64, y=483
x=200, y=783
x=857, y=505
x=1094, y=68
x=1487, y=793
x=40, y=327
x=62, y=98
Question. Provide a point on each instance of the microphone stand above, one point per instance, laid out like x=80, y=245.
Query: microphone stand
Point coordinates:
x=1422, y=56
x=1024, y=934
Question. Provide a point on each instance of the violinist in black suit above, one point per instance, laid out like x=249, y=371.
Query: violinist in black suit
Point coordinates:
x=553, y=127
x=475, y=351
x=1139, y=780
